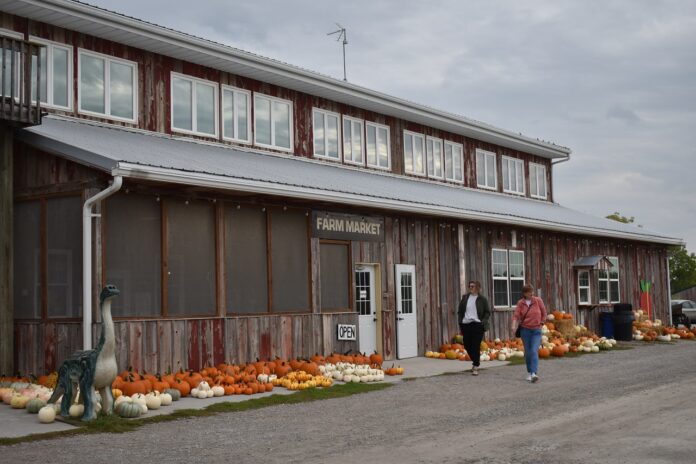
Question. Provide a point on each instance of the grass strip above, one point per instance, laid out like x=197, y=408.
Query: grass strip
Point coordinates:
x=114, y=424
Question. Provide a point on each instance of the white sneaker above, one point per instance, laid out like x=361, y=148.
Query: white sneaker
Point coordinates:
x=529, y=377
x=535, y=378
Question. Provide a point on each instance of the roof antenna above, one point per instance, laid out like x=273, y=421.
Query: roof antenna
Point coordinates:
x=342, y=35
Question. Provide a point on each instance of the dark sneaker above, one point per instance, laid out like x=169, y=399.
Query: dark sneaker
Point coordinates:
x=535, y=378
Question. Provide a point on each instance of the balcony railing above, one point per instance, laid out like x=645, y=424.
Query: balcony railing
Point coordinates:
x=19, y=78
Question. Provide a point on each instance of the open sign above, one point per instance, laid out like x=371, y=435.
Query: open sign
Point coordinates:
x=347, y=332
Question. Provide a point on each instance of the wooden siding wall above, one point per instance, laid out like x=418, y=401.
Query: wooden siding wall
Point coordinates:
x=432, y=246
x=154, y=101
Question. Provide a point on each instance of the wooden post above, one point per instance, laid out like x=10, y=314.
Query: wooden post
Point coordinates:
x=6, y=264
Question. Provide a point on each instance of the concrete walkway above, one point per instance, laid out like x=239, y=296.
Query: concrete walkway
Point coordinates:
x=19, y=423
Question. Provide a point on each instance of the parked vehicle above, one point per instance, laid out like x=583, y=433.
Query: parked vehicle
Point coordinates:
x=683, y=312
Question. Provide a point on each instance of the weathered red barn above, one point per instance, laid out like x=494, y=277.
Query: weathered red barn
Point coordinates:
x=259, y=209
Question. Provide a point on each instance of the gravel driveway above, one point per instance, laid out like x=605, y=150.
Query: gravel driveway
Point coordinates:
x=629, y=406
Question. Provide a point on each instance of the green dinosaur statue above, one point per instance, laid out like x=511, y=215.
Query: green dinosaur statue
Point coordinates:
x=91, y=369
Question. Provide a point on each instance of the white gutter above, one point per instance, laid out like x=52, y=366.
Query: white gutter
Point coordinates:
x=87, y=294
x=156, y=174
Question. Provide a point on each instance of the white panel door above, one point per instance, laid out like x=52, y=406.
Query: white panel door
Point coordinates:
x=365, y=306
x=406, y=314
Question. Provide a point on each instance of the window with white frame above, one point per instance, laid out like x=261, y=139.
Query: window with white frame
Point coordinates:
x=433, y=149
x=107, y=86
x=584, y=287
x=236, y=114
x=194, y=106
x=7, y=62
x=454, y=162
x=537, y=181
x=486, y=174
x=609, y=282
x=414, y=148
x=326, y=134
x=378, y=146
x=353, y=143
x=273, y=122
x=513, y=175
x=55, y=65
x=508, y=276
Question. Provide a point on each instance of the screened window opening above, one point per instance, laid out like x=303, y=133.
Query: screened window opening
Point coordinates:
x=289, y=261
x=236, y=114
x=335, y=276
x=513, y=175
x=64, y=256
x=108, y=87
x=434, y=157
x=454, y=162
x=486, y=174
x=194, y=106
x=378, y=146
x=353, y=142
x=537, y=181
x=326, y=134
x=56, y=75
x=191, y=276
x=414, y=149
x=27, y=260
x=273, y=122
x=246, y=260
x=133, y=258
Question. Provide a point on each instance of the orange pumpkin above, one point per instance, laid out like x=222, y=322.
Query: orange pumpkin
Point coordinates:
x=558, y=351
x=544, y=353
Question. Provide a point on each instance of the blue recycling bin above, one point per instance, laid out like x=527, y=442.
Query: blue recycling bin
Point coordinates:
x=606, y=320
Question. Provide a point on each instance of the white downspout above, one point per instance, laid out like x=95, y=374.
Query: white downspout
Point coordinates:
x=669, y=292
x=87, y=216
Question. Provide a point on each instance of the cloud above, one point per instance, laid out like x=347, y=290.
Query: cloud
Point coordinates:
x=623, y=114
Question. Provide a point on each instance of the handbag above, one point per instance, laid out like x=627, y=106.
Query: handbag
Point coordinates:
x=518, y=332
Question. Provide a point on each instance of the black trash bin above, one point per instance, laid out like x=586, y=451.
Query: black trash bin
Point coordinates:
x=623, y=322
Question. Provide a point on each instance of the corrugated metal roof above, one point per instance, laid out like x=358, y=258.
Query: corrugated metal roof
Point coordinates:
x=141, y=154
x=137, y=33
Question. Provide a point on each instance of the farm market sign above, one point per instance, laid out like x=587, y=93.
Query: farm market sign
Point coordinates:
x=339, y=226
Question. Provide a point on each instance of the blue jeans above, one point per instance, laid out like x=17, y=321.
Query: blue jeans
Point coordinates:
x=531, y=338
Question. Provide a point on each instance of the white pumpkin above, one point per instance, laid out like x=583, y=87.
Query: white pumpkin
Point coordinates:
x=76, y=410
x=143, y=407
x=263, y=378
x=204, y=386
x=502, y=357
x=356, y=379
x=218, y=391
x=595, y=349
x=153, y=401
x=47, y=414
x=139, y=398
x=201, y=394
x=194, y=392
x=166, y=399
x=209, y=393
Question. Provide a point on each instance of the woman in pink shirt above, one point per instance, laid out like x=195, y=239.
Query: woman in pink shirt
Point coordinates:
x=530, y=314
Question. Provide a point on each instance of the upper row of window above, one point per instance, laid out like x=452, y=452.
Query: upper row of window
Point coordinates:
x=108, y=87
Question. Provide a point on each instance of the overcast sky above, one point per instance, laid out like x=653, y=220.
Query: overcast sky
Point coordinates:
x=613, y=80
